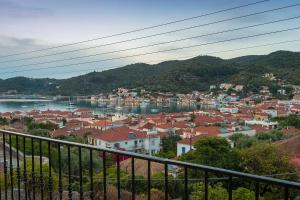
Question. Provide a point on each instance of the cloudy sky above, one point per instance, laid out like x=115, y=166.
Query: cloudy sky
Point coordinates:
x=28, y=25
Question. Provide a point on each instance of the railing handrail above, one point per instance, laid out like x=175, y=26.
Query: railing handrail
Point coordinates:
x=231, y=173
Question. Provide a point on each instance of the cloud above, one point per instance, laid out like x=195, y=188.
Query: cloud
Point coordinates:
x=12, y=44
x=10, y=9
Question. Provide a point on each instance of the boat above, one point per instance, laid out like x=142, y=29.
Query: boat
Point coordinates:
x=102, y=105
x=119, y=108
x=70, y=102
x=165, y=106
x=154, y=110
x=144, y=104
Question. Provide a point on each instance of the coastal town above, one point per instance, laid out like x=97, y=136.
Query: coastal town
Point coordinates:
x=216, y=115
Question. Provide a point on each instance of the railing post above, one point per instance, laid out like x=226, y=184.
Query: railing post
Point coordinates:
x=50, y=184
x=205, y=185
x=166, y=182
x=286, y=193
x=149, y=180
x=230, y=188
x=5, y=166
x=104, y=175
x=18, y=168
x=256, y=191
x=91, y=175
x=60, y=189
x=11, y=169
x=41, y=170
x=32, y=169
x=132, y=178
x=186, y=197
x=118, y=177
x=24, y=167
x=69, y=175
x=80, y=174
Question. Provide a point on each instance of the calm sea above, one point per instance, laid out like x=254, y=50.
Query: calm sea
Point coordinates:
x=9, y=105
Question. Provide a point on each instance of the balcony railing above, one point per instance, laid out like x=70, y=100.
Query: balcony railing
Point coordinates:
x=24, y=175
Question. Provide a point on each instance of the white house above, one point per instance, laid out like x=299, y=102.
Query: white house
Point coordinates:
x=229, y=110
x=127, y=139
x=268, y=124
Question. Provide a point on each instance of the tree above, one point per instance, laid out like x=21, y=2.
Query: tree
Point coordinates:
x=218, y=192
x=265, y=159
x=243, y=194
x=169, y=146
x=3, y=121
x=215, y=152
x=291, y=120
x=242, y=141
x=271, y=136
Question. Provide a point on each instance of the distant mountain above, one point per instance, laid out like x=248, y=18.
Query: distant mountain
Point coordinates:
x=176, y=76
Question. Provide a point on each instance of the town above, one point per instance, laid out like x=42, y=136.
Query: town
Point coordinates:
x=225, y=114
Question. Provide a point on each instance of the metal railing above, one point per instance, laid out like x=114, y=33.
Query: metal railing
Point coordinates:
x=23, y=182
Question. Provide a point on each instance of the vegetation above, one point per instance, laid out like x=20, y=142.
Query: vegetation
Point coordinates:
x=213, y=151
x=219, y=192
x=291, y=120
x=174, y=76
x=3, y=121
x=243, y=141
x=169, y=146
x=255, y=155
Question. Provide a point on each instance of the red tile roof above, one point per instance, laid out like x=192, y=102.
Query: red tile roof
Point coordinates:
x=120, y=134
x=62, y=131
x=193, y=140
x=259, y=129
x=102, y=123
x=208, y=130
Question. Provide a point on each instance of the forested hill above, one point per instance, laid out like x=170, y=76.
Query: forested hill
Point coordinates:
x=176, y=76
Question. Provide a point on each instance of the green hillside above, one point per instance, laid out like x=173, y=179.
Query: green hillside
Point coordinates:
x=175, y=76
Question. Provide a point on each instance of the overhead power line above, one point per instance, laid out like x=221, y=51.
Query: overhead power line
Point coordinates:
x=178, y=58
x=153, y=35
x=141, y=29
x=155, y=52
x=155, y=44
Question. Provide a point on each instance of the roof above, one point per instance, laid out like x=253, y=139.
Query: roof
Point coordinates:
x=102, y=123
x=148, y=125
x=209, y=130
x=193, y=140
x=121, y=134
x=259, y=129
x=83, y=131
x=62, y=131
x=202, y=119
x=165, y=126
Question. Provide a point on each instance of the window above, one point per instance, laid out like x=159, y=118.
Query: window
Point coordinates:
x=183, y=150
x=152, y=142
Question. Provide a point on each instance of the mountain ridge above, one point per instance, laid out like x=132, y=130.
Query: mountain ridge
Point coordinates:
x=175, y=75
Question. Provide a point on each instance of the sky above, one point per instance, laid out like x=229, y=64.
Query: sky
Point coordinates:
x=28, y=25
